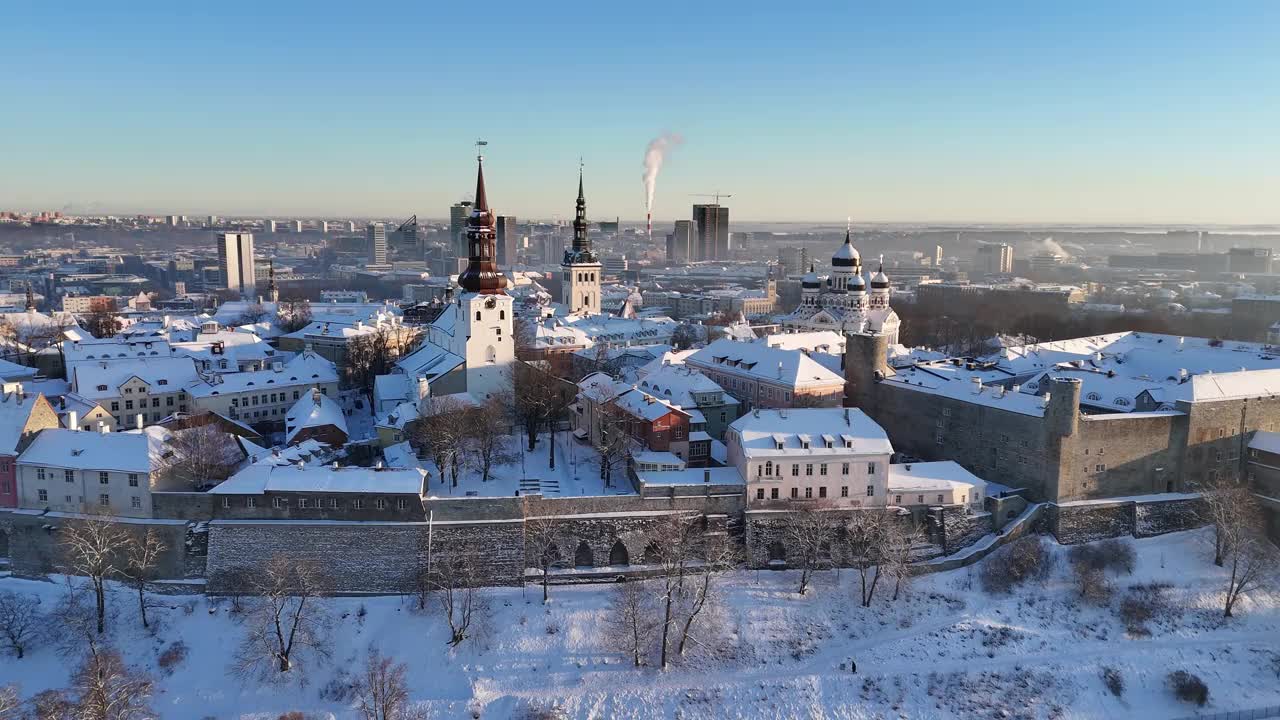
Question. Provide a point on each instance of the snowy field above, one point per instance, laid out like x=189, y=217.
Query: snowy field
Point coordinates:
x=576, y=474
x=948, y=650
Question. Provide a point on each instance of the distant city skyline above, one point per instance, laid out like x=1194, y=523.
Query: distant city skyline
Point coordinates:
x=1156, y=113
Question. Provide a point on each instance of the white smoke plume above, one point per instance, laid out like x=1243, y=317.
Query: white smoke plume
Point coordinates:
x=1043, y=247
x=653, y=157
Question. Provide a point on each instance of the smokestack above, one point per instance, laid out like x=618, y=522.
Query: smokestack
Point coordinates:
x=648, y=223
x=653, y=157
x=139, y=423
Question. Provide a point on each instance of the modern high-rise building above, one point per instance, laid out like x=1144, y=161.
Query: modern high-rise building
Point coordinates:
x=712, y=242
x=680, y=242
x=375, y=237
x=235, y=262
x=793, y=261
x=508, y=237
x=993, y=259
x=269, y=226
x=458, y=215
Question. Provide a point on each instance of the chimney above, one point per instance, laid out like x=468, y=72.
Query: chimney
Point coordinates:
x=977, y=385
x=315, y=395
x=424, y=389
x=102, y=427
x=140, y=421
x=73, y=420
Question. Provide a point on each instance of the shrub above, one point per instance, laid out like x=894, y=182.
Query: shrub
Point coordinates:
x=1109, y=555
x=1188, y=688
x=172, y=656
x=1114, y=681
x=1019, y=561
x=1093, y=585
x=1141, y=604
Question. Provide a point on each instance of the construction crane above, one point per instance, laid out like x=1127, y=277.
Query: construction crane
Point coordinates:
x=717, y=195
x=408, y=229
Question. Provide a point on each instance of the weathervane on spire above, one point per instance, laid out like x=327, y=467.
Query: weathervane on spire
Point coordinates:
x=479, y=149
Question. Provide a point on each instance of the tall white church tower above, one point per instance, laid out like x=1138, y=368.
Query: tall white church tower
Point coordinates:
x=580, y=276
x=482, y=333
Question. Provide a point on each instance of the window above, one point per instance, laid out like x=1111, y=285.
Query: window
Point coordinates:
x=333, y=503
x=822, y=469
x=822, y=491
x=278, y=503
x=773, y=493
x=133, y=479
x=939, y=499
x=795, y=470
x=808, y=469
x=808, y=493
x=226, y=502
x=250, y=502
x=128, y=404
x=477, y=314
x=155, y=402
x=768, y=467
x=919, y=499
x=357, y=504
x=844, y=491
x=104, y=477
x=795, y=493
x=115, y=406
x=302, y=503
x=169, y=401
x=380, y=504
x=135, y=502
x=871, y=491
x=104, y=499
x=759, y=493
x=402, y=504
x=69, y=475
x=844, y=468
x=897, y=499
x=871, y=468
x=43, y=495
x=1099, y=468
x=39, y=473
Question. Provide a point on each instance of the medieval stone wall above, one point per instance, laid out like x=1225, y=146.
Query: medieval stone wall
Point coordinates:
x=34, y=548
x=1085, y=522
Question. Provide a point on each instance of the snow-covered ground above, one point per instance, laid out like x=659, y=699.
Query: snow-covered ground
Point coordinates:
x=576, y=474
x=946, y=651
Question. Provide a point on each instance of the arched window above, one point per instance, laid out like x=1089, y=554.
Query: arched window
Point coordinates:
x=477, y=315
x=1093, y=396
x=583, y=557
x=618, y=554
x=1122, y=402
x=652, y=553
x=768, y=467
x=490, y=355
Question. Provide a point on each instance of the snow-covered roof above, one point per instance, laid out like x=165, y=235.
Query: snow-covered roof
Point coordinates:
x=429, y=361
x=102, y=379
x=260, y=478
x=678, y=384
x=690, y=476
x=313, y=410
x=115, y=348
x=646, y=406
x=77, y=450
x=848, y=430
x=787, y=367
x=15, y=411
x=307, y=368
x=11, y=371
x=601, y=387
x=1265, y=441
x=933, y=476
x=827, y=341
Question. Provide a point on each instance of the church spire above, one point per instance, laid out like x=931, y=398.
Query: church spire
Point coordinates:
x=481, y=275
x=581, y=243
x=273, y=292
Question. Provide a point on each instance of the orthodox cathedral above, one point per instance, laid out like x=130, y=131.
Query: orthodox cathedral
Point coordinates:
x=842, y=301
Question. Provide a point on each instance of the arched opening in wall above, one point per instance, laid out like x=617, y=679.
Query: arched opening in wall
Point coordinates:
x=583, y=557
x=652, y=553
x=618, y=554
x=777, y=552
x=490, y=355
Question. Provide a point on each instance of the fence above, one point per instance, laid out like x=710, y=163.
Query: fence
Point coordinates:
x=1254, y=714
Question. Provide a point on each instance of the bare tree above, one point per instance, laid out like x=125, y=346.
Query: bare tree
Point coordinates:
x=1224, y=500
x=809, y=534
x=1241, y=543
x=372, y=354
x=540, y=542
x=103, y=321
x=867, y=534
x=540, y=400
x=293, y=313
x=93, y=547
x=286, y=623
x=381, y=691
x=615, y=443
x=107, y=689
x=199, y=457
x=703, y=593
x=76, y=620
x=678, y=533
x=455, y=589
x=485, y=428
x=252, y=315
x=686, y=335
x=630, y=619
x=21, y=622
x=439, y=433
x=10, y=703
x=900, y=537
x=141, y=564
x=235, y=583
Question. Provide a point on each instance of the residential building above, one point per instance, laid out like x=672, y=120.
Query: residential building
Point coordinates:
x=316, y=416
x=810, y=457
x=993, y=259
x=263, y=397
x=22, y=415
x=766, y=377
x=375, y=236
x=268, y=491
x=235, y=261
x=151, y=387
x=74, y=471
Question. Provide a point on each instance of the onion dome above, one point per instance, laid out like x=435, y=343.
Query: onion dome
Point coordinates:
x=811, y=281
x=847, y=255
x=857, y=283
x=879, y=281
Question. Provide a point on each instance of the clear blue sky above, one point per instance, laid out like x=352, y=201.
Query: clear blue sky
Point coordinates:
x=891, y=111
